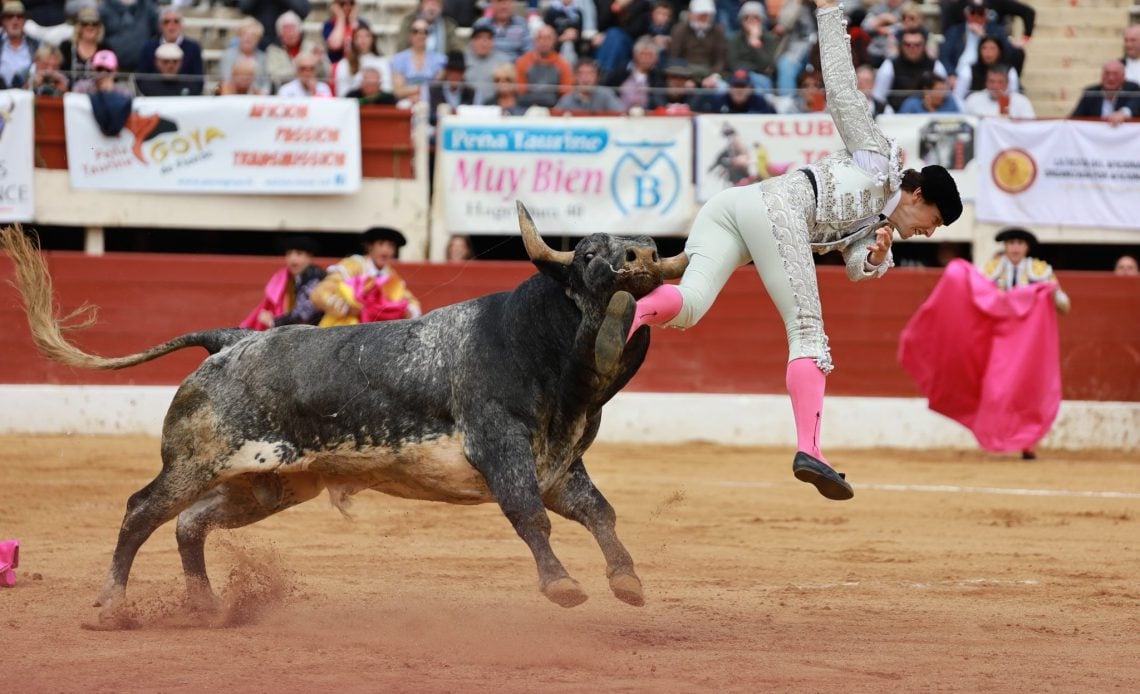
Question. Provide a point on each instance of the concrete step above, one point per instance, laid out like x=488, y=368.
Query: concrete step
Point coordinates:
x=1065, y=62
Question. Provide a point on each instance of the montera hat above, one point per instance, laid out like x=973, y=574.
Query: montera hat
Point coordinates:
x=1016, y=234
x=299, y=242
x=383, y=234
x=940, y=190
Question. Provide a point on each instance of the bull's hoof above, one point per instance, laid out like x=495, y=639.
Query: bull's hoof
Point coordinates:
x=565, y=592
x=610, y=342
x=627, y=588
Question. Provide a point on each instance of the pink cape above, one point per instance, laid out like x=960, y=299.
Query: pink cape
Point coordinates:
x=273, y=301
x=986, y=358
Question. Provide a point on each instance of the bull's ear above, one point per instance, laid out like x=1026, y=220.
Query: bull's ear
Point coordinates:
x=545, y=258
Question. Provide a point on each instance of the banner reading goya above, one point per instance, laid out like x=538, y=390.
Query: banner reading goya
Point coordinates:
x=233, y=144
x=738, y=150
x=577, y=176
x=944, y=139
x=16, y=168
x=1080, y=173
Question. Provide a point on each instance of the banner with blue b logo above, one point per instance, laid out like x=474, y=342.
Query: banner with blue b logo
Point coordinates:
x=577, y=176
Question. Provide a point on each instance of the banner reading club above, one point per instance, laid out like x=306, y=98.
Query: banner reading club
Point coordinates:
x=16, y=170
x=233, y=144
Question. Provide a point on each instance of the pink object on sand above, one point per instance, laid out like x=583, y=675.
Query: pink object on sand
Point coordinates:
x=986, y=358
x=9, y=560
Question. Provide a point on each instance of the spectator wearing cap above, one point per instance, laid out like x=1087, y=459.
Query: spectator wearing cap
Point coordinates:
x=16, y=49
x=959, y=47
x=997, y=99
x=753, y=47
x=452, y=89
x=110, y=102
x=168, y=81
x=171, y=31
x=86, y=40
x=307, y=83
x=701, y=43
x=543, y=75
x=511, y=34
x=587, y=95
x=679, y=95
x=482, y=58
x=1131, y=57
x=47, y=21
x=639, y=82
x=266, y=13
x=441, y=36
x=366, y=288
x=741, y=96
x=1114, y=99
x=129, y=24
x=286, y=298
x=292, y=42
x=249, y=32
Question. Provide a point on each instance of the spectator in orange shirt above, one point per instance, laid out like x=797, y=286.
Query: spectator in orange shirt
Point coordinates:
x=543, y=74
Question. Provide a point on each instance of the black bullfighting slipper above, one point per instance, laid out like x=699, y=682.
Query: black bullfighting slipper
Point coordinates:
x=827, y=480
x=610, y=342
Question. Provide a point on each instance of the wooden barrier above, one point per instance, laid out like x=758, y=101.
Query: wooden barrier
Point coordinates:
x=739, y=347
x=386, y=147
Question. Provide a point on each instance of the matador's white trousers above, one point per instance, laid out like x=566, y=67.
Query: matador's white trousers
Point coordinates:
x=767, y=223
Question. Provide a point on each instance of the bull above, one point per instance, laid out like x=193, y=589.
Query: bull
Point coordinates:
x=494, y=399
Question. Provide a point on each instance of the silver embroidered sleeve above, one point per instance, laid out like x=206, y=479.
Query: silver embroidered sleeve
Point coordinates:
x=855, y=254
x=847, y=106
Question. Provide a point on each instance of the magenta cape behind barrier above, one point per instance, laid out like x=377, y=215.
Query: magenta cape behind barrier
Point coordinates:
x=986, y=358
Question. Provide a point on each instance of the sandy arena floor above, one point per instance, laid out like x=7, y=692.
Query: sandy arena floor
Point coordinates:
x=938, y=576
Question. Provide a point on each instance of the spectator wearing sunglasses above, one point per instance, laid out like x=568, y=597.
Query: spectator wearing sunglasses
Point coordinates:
x=171, y=31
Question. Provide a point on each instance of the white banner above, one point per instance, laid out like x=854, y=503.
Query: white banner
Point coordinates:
x=1081, y=173
x=944, y=139
x=737, y=150
x=16, y=151
x=233, y=144
x=577, y=176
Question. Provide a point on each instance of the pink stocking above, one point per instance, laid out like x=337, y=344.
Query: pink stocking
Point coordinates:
x=806, y=384
x=657, y=307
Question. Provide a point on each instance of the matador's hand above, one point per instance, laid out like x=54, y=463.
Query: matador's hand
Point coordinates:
x=877, y=251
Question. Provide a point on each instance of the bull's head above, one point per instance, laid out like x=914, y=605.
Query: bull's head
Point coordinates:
x=602, y=264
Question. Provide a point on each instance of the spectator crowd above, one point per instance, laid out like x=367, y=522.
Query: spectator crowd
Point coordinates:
x=673, y=56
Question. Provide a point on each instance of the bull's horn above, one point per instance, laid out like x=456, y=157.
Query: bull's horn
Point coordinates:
x=672, y=268
x=536, y=248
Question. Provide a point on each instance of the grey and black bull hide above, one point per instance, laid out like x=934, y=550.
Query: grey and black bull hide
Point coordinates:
x=490, y=400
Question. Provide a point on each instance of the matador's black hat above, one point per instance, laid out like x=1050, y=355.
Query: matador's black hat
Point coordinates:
x=940, y=190
x=1016, y=234
x=383, y=234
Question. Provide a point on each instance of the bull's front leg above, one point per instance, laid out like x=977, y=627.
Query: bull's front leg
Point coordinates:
x=507, y=464
x=579, y=500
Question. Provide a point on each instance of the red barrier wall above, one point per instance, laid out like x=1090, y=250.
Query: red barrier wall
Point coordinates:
x=739, y=347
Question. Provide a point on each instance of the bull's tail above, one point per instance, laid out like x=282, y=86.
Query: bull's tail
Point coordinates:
x=48, y=330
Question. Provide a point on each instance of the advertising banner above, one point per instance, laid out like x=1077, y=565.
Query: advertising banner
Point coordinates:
x=1083, y=173
x=577, y=176
x=737, y=150
x=944, y=139
x=16, y=165
x=233, y=144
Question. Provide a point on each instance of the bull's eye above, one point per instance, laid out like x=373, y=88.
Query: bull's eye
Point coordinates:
x=630, y=256
x=590, y=256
